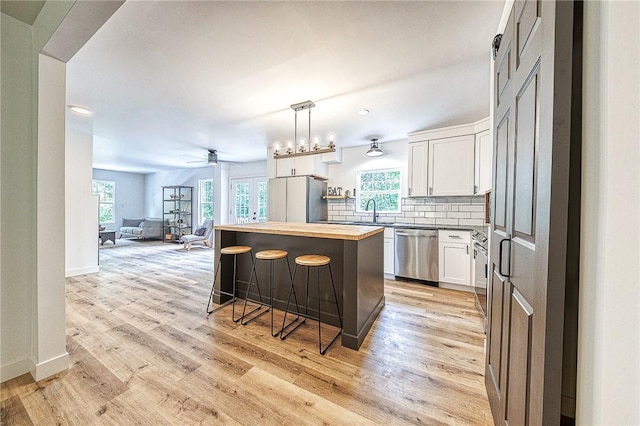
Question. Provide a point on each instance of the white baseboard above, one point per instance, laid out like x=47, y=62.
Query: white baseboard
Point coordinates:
x=16, y=368
x=451, y=286
x=81, y=271
x=38, y=371
x=50, y=367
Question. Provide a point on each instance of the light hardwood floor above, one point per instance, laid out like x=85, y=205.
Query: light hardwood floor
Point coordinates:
x=143, y=351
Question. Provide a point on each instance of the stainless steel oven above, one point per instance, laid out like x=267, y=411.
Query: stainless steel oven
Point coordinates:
x=481, y=272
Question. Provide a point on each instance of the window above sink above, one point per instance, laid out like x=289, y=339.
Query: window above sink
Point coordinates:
x=382, y=186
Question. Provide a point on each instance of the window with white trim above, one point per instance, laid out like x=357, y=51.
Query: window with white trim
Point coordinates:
x=106, y=192
x=205, y=200
x=383, y=186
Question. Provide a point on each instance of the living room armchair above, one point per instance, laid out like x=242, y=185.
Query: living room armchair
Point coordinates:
x=203, y=233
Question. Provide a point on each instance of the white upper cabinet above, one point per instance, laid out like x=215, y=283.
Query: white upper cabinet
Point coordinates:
x=451, y=166
x=484, y=155
x=452, y=161
x=305, y=165
x=418, y=177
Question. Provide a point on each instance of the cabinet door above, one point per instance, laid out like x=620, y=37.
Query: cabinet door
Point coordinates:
x=451, y=166
x=389, y=256
x=484, y=155
x=310, y=165
x=418, y=177
x=285, y=166
x=454, y=263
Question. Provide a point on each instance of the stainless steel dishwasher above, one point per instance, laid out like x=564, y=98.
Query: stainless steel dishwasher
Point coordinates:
x=417, y=254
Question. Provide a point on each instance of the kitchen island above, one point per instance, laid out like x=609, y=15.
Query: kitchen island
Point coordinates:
x=356, y=254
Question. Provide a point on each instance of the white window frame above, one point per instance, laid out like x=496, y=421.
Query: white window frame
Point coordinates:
x=367, y=194
x=201, y=203
x=100, y=201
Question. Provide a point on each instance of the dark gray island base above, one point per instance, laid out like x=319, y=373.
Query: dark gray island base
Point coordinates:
x=356, y=261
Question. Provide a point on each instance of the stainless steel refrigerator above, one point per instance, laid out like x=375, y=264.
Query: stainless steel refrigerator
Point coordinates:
x=297, y=199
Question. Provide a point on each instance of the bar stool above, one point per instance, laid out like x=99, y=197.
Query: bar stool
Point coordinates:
x=311, y=261
x=271, y=256
x=235, y=251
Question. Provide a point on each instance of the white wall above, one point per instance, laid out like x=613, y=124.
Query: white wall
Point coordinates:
x=32, y=332
x=189, y=177
x=354, y=159
x=50, y=347
x=129, y=195
x=81, y=243
x=609, y=321
x=154, y=182
x=17, y=276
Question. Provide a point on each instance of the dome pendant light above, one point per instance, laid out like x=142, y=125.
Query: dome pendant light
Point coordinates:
x=374, y=151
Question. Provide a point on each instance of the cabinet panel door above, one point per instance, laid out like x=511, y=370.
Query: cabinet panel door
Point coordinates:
x=451, y=166
x=418, y=177
x=484, y=156
x=389, y=256
x=285, y=166
x=454, y=263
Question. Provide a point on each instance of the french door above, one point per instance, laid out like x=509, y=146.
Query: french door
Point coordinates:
x=533, y=73
x=248, y=200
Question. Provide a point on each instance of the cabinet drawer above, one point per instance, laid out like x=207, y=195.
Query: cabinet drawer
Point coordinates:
x=389, y=232
x=453, y=236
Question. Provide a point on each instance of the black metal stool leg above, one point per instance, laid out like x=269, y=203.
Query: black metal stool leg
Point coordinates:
x=233, y=294
x=294, y=321
x=234, y=291
x=246, y=299
x=335, y=297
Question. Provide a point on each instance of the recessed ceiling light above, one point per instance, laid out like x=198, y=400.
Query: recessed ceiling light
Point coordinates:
x=363, y=112
x=80, y=110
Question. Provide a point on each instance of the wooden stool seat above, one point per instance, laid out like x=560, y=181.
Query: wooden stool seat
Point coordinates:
x=313, y=260
x=271, y=254
x=235, y=250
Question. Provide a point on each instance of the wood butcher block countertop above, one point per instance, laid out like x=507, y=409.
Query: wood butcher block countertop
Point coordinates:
x=313, y=230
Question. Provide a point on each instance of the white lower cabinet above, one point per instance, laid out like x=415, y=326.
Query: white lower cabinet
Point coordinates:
x=389, y=251
x=454, y=262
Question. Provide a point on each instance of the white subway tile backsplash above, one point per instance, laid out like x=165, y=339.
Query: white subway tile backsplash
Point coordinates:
x=458, y=215
x=425, y=221
x=446, y=222
x=414, y=214
x=466, y=211
x=471, y=208
x=471, y=222
x=406, y=220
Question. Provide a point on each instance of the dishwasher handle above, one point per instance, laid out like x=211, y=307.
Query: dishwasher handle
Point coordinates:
x=402, y=234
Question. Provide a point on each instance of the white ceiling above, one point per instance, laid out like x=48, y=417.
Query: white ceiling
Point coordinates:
x=169, y=80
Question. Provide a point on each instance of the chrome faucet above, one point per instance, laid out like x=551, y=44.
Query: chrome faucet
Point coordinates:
x=375, y=215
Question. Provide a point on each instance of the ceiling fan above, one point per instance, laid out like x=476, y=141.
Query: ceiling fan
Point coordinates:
x=212, y=158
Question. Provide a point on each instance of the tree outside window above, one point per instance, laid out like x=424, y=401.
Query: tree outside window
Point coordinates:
x=106, y=192
x=205, y=194
x=383, y=186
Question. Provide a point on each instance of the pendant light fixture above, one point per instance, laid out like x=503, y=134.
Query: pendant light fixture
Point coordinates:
x=303, y=146
x=375, y=150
